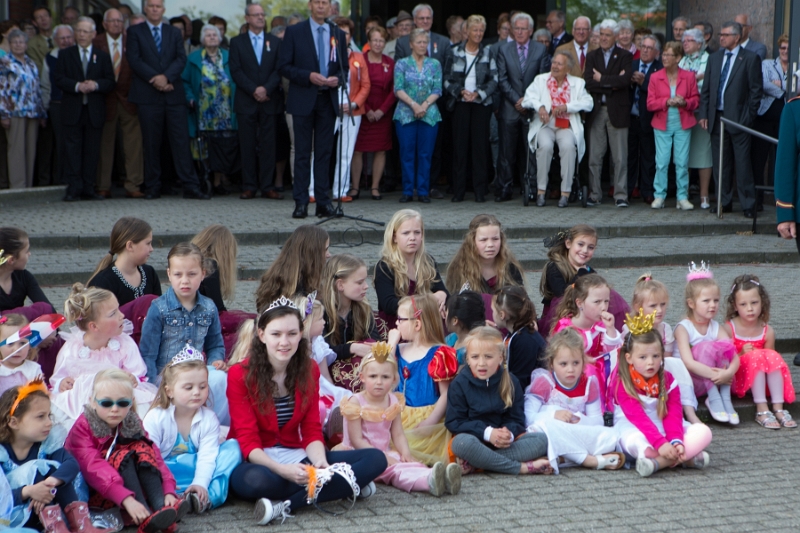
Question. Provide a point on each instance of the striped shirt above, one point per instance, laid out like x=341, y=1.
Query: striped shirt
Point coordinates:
x=284, y=408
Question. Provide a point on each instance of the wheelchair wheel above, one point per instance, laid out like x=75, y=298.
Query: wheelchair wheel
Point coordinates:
x=526, y=193
x=584, y=195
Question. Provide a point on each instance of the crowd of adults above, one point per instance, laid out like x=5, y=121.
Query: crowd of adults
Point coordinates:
x=161, y=103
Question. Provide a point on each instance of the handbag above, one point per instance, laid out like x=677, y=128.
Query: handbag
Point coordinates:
x=451, y=101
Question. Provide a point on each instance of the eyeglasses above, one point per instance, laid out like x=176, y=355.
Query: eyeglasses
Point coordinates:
x=404, y=319
x=107, y=403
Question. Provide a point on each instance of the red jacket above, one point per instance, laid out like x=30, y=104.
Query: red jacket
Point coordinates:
x=256, y=430
x=658, y=93
x=89, y=440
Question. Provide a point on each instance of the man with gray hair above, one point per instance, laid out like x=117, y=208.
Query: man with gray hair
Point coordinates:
x=680, y=25
x=608, y=77
x=579, y=47
x=641, y=139
x=747, y=43
x=438, y=45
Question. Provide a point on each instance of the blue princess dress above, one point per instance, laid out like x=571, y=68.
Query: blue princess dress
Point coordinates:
x=200, y=459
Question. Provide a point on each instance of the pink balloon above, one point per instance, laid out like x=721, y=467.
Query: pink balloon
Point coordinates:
x=695, y=439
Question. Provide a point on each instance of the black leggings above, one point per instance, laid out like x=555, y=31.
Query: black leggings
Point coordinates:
x=65, y=495
x=144, y=480
x=251, y=482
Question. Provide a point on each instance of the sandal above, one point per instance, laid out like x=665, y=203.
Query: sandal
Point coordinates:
x=354, y=196
x=376, y=196
x=785, y=418
x=610, y=461
x=769, y=418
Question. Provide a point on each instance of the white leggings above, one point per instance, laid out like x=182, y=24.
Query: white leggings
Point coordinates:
x=775, y=382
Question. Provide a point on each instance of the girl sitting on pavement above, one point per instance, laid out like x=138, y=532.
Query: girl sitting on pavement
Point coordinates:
x=514, y=311
x=465, y=312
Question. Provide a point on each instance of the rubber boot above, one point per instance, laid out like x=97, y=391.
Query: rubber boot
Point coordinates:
x=79, y=519
x=52, y=520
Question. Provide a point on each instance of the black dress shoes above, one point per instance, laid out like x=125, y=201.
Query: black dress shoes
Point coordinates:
x=425, y=199
x=325, y=211
x=195, y=194
x=70, y=198
x=457, y=198
x=749, y=213
x=503, y=197
x=152, y=196
x=92, y=196
x=300, y=211
x=479, y=198
x=725, y=209
x=405, y=199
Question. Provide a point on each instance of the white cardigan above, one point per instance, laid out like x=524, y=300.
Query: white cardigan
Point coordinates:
x=538, y=95
x=163, y=431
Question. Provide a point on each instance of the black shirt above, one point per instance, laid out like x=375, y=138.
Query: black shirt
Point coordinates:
x=525, y=355
x=384, y=287
x=347, y=335
x=112, y=280
x=210, y=287
x=23, y=285
x=556, y=282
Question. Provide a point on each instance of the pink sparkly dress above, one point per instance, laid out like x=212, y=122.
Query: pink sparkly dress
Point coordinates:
x=376, y=429
x=759, y=359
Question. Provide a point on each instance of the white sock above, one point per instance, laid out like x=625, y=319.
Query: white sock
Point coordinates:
x=714, y=400
x=775, y=382
x=725, y=393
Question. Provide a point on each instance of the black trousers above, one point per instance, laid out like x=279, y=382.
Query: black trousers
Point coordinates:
x=154, y=120
x=314, y=132
x=641, y=157
x=82, y=145
x=257, y=136
x=764, y=151
x=737, y=151
x=470, y=143
x=513, y=142
x=54, y=114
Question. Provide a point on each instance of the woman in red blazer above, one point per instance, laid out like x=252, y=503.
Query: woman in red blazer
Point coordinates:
x=273, y=397
x=672, y=96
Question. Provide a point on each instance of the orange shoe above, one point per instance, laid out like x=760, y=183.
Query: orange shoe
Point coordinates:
x=346, y=199
x=312, y=200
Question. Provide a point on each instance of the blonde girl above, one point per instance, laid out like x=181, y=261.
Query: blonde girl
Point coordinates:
x=484, y=259
x=187, y=433
x=747, y=318
x=17, y=360
x=96, y=342
x=486, y=413
x=705, y=347
x=405, y=268
x=349, y=323
x=425, y=368
x=373, y=421
x=118, y=460
x=565, y=404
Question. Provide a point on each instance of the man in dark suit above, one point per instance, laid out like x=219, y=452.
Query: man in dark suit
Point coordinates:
x=258, y=100
x=309, y=59
x=438, y=45
x=607, y=74
x=556, y=25
x=641, y=139
x=746, y=42
x=85, y=75
x=518, y=62
x=732, y=88
x=157, y=58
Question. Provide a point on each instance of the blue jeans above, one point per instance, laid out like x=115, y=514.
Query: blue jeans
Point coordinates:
x=678, y=140
x=417, y=141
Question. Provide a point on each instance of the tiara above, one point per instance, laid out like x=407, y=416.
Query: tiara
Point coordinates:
x=641, y=323
x=699, y=272
x=185, y=355
x=26, y=390
x=283, y=301
x=310, y=302
x=465, y=287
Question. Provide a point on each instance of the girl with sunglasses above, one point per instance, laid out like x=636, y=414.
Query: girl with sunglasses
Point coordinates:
x=120, y=463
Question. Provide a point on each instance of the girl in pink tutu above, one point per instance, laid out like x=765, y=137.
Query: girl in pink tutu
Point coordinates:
x=761, y=365
x=374, y=421
x=705, y=347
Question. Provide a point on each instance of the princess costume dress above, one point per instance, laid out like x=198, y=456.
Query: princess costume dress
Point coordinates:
x=78, y=361
x=573, y=442
x=16, y=377
x=329, y=394
x=419, y=382
x=376, y=429
x=758, y=360
x=706, y=349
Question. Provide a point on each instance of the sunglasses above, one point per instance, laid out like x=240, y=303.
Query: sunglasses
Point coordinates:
x=122, y=403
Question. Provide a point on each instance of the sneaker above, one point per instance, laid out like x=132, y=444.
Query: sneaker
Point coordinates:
x=197, y=506
x=266, y=511
x=685, y=205
x=701, y=460
x=182, y=508
x=646, y=467
x=452, y=478
x=436, y=481
x=621, y=203
x=158, y=521
x=563, y=201
x=367, y=491
x=591, y=202
x=540, y=201
x=658, y=203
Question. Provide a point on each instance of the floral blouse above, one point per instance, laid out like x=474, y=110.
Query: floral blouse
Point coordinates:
x=418, y=85
x=20, y=93
x=695, y=63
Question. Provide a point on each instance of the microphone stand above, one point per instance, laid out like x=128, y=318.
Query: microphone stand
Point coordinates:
x=344, y=71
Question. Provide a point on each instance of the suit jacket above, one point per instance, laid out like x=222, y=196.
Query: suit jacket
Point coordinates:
x=298, y=59
x=576, y=63
x=146, y=62
x=123, y=86
x=743, y=91
x=612, y=84
x=787, y=165
x=645, y=116
x=566, y=38
x=757, y=48
x=439, y=46
x=249, y=75
x=38, y=49
x=69, y=72
x=510, y=79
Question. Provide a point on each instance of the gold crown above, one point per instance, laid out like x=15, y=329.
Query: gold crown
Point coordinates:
x=641, y=323
x=381, y=351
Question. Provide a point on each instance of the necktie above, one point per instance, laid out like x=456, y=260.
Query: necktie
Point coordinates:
x=157, y=37
x=583, y=59
x=723, y=77
x=522, y=59
x=323, y=61
x=257, y=48
x=50, y=43
x=117, y=59
x=85, y=63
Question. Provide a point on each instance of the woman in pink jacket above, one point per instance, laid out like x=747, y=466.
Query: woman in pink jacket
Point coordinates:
x=672, y=96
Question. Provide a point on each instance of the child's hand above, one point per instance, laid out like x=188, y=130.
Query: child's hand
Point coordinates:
x=747, y=348
x=608, y=321
x=294, y=473
x=407, y=458
x=38, y=493
x=360, y=348
x=441, y=299
x=201, y=492
x=681, y=451
x=170, y=499
x=136, y=510
x=564, y=416
x=220, y=365
x=393, y=337
x=66, y=384
x=501, y=438
x=668, y=451
x=492, y=324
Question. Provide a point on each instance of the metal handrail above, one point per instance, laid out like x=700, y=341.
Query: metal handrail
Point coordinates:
x=736, y=125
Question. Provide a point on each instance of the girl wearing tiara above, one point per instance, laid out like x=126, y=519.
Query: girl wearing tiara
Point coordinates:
x=373, y=421
x=761, y=366
x=705, y=347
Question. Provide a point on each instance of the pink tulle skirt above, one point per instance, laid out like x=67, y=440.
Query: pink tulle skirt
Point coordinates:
x=617, y=306
x=767, y=361
x=714, y=354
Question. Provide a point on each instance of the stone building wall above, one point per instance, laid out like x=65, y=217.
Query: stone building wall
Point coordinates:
x=762, y=16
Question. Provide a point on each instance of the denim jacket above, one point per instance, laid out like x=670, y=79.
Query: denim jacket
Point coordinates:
x=169, y=327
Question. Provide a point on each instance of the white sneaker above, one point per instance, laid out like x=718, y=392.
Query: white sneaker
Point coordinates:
x=701, y=460
x=436, y=481
x=367, y=491
x=452, y=477
x=658, y=203
x=646, y=467
x=266, y=511
x=685, y=205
